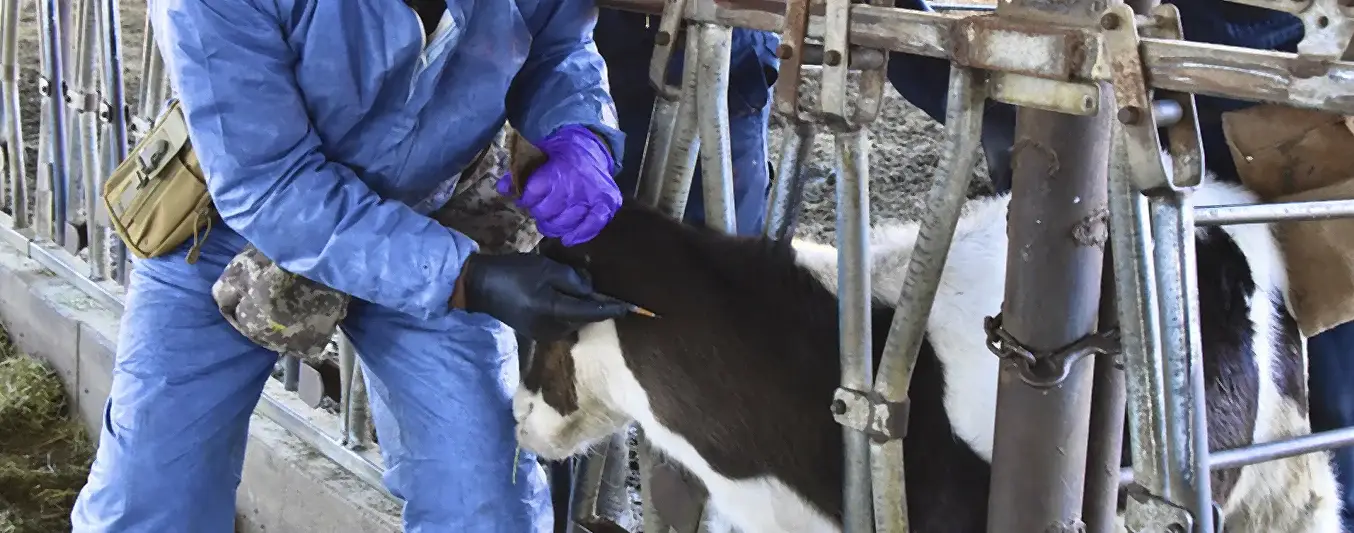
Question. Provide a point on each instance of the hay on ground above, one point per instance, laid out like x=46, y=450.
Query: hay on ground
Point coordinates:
x=44, y=454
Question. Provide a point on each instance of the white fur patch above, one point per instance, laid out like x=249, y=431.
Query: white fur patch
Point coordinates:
x=1295, y=495
x=609, y=397
x=971, y=287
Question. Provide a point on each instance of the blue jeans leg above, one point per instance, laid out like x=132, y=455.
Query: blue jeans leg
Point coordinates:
x=1331, y=382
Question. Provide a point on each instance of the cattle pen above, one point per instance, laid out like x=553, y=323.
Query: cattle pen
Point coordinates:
x=1094, y=81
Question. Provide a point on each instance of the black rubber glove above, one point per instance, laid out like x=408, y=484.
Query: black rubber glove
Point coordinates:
x=536, y=296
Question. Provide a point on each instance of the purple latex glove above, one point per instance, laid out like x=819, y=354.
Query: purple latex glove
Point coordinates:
x=571, y=195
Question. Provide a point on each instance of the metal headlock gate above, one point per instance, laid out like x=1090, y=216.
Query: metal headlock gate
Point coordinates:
x=1094, y=80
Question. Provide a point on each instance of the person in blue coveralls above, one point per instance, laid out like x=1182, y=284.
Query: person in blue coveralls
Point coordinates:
x=322, y=127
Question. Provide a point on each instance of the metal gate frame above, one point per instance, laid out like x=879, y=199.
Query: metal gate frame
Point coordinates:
x=1092, y=78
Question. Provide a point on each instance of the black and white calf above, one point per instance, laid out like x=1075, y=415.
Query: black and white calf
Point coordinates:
x=734, y=381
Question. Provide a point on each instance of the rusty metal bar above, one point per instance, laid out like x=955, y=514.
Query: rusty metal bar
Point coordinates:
x=1039, y=451
x=1131, y=238
x=1040, y=441
x=1206, y=69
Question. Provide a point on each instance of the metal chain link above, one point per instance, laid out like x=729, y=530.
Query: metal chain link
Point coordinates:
x=1046, y=369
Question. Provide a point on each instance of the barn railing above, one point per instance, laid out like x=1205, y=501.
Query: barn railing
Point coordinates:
x=1094, y=81
x=1093, y=78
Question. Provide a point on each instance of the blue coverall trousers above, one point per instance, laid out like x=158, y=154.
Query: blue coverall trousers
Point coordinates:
x=185, y=383
x=923, y=81
x=626, y=40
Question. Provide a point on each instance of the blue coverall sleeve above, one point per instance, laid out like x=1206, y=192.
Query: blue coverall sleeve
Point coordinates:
x=269, y=175
x=563, y=80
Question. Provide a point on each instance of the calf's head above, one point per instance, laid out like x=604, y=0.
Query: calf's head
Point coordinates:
x=573, y=393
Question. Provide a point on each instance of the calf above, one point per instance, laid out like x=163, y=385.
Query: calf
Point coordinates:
x=734, y=380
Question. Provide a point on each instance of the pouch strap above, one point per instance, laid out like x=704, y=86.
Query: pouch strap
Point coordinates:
x=167, y=137
x=199, y=240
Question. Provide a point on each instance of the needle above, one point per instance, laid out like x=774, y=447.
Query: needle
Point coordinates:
x=633, y=308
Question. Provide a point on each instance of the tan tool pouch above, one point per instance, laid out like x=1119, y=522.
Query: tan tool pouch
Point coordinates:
x=157, y=198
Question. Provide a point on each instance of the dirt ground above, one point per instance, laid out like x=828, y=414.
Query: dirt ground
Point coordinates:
x=905, y=151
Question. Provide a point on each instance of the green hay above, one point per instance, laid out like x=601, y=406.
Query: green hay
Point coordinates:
x=44, y=455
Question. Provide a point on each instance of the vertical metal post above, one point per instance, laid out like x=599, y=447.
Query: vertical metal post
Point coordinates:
x=113, y=113
x=1105, y=449
x=1052, y=296
x=944, y=202
x=787, y=191
x=83, y=97
x=653, y=523
x=661, y=123
x=669, y=163
x=797, y=146
x=1135, y=278
x=853, y=288
x=353, y=406
x=76, y=96
x=15, y=175
x=684, y=149
x=602, y=502
x=52, y=209
x=712, y=113
x=1172, y=217
x=1165, y=379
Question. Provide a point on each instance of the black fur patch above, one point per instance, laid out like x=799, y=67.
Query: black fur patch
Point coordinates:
x=1231, y=378
x=743, y=364
x=1288, y=358
x=551, y=373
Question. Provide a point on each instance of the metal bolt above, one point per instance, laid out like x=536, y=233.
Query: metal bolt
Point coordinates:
x=1175, y=528
x=1130, y=115
x=1110, y=21
x=838, y=407
x=785, y=51
x=663, y=38
x=832, y=58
